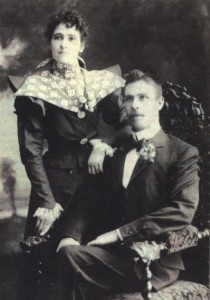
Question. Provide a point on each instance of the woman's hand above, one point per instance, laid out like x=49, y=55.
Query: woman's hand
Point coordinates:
x=45, y=219
x=105, y=239
x=67, y=242
x=95, y=161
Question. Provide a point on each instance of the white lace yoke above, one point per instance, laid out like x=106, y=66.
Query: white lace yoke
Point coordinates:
x=78, y=93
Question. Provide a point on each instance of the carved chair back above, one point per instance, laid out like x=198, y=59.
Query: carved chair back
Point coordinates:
x=183, y=116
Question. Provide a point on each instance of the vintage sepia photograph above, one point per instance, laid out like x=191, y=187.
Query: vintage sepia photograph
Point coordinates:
x=104, y=149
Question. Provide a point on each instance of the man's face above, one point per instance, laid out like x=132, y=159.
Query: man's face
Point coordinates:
x=142, y=104
x=66, y=44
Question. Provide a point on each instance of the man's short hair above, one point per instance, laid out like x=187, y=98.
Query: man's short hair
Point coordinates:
x=137, y=75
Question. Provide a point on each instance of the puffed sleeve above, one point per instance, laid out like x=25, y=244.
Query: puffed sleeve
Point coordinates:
x=31, y=140
x=111, y=106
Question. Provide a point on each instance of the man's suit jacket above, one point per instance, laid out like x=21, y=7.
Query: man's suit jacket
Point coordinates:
x=161, y=196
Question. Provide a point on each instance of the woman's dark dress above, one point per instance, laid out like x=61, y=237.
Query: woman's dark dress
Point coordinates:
x=56, y=174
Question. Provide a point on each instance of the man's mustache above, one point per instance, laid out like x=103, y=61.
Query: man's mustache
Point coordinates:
x=136, y=115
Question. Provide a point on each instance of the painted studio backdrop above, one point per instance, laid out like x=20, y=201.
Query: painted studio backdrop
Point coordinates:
x=170, y=37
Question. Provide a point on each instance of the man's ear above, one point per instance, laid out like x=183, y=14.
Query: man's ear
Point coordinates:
x=161, y=102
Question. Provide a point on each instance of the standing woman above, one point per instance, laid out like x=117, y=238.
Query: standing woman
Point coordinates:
x=60, y=103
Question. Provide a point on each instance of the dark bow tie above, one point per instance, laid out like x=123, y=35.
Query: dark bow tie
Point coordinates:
x=132, y=143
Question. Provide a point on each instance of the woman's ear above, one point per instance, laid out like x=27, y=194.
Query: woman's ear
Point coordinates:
x=82, y=47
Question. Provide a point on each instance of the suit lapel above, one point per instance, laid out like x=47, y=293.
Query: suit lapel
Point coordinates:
x=139, y=167
x=117, y=169
x=159, y=140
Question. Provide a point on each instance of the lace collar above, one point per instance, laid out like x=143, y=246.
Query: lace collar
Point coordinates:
x=65, y=71
x=79, y=93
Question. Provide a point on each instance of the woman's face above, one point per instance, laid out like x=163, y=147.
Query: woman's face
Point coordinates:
x=66, y=44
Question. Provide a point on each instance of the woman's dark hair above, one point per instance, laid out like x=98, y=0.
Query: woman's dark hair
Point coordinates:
x=70, y=18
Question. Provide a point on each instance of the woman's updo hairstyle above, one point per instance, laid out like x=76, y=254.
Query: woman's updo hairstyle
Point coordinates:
x=69, y=17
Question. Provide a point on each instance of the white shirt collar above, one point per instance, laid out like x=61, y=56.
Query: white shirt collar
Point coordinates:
x=146, y=133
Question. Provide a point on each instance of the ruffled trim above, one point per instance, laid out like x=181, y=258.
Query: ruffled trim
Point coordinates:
x=61, y=92
x=53, y=213
x=49, y=60
x=101, y=146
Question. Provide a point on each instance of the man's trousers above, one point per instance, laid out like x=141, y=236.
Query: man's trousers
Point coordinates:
x=86, y=272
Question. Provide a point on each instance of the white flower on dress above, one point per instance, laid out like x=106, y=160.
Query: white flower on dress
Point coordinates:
x=74, y=109
x=43, y=88
x=82, y=99
x=44, y=73
x=31, y=87
x=53, y=102
x=65, y=103
x=31, y=80
x=105, y=83
x=91, y=104
x=73, y=82
x=44, y=79
x=61, y=84
x=53, y=94
x=102, y=94
x=95, y=86
x=56, y=73
x=41, y=95
x=109, y=75
x=81, y=114
x=54, y=85
x=91, y=96
x=71, y=92
x=68, y=74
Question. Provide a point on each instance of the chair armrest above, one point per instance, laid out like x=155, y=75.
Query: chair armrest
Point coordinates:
x=174, y=241
x=35, y=245
x=183, y=239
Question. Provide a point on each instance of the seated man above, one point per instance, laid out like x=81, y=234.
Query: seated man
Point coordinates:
x=148, y=188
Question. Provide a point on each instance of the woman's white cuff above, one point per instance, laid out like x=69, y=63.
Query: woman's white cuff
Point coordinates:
x=101, y=146
x=55, y=212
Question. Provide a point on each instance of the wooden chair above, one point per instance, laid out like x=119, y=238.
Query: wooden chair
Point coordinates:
x=150, y=251
x=183, y=117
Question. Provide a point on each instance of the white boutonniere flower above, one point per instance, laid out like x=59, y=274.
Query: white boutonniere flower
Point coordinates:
x=147, y=151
